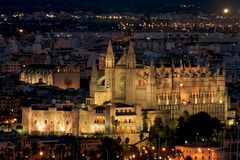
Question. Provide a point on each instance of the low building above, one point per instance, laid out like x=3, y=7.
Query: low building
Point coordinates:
x=89, y=144
x=60, y=76
x=12, y=66
x=57, y=147
x=50, y=119
x=113, y=119
x=9, y=102
x=231, y=149
x=198, y=152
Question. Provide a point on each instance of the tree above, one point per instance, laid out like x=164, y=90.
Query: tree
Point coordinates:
x=186, y=115
x=115, y=124
x=127, y=141
x=156, y=129
x=119, y=140
x=110, y=148
x=141, y=136
x=198, y=128
x=145, y=125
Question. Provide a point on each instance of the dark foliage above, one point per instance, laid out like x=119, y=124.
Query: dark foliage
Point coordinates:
x=198, y=128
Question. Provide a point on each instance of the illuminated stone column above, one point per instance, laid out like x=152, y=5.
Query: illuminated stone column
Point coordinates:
x=26, y=119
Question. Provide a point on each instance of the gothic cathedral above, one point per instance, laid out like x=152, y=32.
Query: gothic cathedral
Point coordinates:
x=176, y=89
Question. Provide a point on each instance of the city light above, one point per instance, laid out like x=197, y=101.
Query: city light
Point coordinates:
x=41, y=153
x=20, y=30
x=226, y=10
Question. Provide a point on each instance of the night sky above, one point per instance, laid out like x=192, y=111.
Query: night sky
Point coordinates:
x=116, y=5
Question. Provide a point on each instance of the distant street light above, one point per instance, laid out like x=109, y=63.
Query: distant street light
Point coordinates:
x=20, y=30
x=41, y=153
x=226, y=10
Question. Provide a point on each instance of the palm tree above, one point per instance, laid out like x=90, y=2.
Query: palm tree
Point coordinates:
x=115, y=124
x=127, y=141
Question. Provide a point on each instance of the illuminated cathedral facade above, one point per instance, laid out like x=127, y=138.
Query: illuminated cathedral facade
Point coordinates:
x=176, y=89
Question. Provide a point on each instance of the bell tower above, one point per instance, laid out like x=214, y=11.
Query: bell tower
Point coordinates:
x=110, y=58
x=130, y=72
x=131, y=57
x=94, y=78
x=109, y=72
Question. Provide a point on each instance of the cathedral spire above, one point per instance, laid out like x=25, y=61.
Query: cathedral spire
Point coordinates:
x=94, y=78
x=181, y=64
x=94, y=74
x=110, y=48
x=198, y=66
x=124, y=51
x=173, y=64
x=130, y=49
x=110, y=57
x=131, y=57
x=189, y=63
